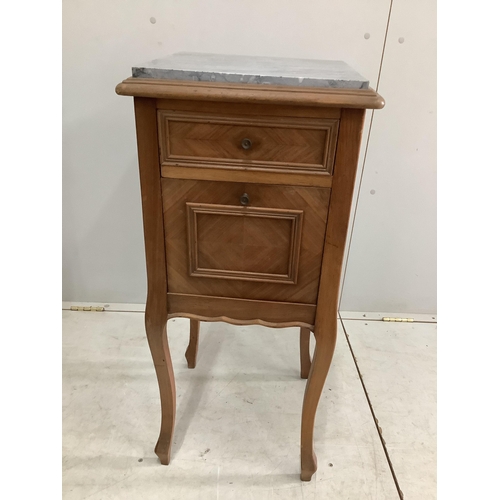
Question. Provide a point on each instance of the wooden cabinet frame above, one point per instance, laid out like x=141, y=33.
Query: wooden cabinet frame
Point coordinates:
x=321, y=317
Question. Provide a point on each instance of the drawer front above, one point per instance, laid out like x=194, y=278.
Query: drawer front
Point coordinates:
x=239, y=240
x=282, y=143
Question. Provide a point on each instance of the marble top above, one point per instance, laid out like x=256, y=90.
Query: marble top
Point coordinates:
x=199, y=67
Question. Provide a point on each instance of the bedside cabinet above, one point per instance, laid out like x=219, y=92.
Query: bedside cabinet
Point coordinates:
x=247, y=169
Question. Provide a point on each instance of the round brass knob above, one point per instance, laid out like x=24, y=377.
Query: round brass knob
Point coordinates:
x=246, y=144
x=244, y=199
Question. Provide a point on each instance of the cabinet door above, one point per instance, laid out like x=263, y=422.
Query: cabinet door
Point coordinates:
x=251, y=241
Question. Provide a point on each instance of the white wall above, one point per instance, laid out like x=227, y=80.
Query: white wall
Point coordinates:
x=103, y=255
x=391, y=265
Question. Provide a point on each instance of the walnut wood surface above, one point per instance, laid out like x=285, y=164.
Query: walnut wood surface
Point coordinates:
x=241, y=174
x=154, y=237
x=274, y=141
x=244, y=109
x=192, y=348
x=246, y=93
x=305, y=356
x=241, y=311
x=325, y=330
x=264, y=249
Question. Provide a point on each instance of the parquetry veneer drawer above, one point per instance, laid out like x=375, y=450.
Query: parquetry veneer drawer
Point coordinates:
x=283, y=143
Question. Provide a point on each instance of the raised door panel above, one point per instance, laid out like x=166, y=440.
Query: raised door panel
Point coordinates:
x=270, y=249
x=244, y=243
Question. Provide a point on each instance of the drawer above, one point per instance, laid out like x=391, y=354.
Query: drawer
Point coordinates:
x=280, y=143
x=252, y=241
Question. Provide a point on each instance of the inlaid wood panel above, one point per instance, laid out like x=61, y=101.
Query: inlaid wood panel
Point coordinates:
x=282, y=143
x=261, y=245
x=244, y=243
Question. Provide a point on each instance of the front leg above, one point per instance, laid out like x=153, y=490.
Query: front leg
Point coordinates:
x=154, y=239
x=325, y=324
x=156, y=330
x=323, y=353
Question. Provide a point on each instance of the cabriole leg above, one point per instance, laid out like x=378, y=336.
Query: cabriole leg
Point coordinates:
x=323, y=353
x=192, y=348
x=156, y=330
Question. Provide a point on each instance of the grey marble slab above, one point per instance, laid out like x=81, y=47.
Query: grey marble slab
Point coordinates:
x=190, y=66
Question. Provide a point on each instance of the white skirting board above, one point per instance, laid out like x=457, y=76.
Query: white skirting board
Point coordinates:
x=378, y=316
x=347, y=315
x=108, y=306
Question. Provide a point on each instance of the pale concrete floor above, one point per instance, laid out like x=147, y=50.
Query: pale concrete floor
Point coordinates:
x=237, y=434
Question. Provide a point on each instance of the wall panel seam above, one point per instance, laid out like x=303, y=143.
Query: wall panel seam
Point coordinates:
x=354, y=212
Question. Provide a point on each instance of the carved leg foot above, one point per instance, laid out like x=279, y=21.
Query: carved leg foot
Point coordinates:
x=192, y=348
x=325, y=345
x=305, y=358
x=156, y=330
